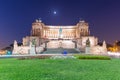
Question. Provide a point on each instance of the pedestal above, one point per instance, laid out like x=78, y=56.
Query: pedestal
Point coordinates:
x=32, y=51
x=87, y=50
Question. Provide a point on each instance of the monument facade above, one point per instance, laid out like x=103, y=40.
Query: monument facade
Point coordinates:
x=47, y=36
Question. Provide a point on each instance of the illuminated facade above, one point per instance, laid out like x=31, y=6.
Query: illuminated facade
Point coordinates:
x=42, y=31
x=47, y=36
x=54, y=32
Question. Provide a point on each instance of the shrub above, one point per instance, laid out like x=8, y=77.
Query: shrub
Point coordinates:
x=34, y=57
x=99, y=57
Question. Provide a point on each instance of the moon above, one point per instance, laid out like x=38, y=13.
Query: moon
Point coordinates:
x=54, y=12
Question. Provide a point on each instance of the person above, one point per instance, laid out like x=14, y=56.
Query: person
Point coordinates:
x=65, y=52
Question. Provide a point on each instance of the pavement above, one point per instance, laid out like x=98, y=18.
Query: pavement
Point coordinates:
x=28, y=55
x=113, y=55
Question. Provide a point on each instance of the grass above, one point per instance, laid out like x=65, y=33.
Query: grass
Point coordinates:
x=68, y=69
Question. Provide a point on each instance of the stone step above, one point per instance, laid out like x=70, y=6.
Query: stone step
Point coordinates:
x=60, y=50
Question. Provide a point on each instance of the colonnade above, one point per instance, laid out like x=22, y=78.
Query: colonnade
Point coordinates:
x=54, y=34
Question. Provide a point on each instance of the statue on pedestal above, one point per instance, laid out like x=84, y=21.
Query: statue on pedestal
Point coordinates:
x=87, y=49
x=60, y=32
x=32, y=47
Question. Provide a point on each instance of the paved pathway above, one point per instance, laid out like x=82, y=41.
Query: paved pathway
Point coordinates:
x=15, y=56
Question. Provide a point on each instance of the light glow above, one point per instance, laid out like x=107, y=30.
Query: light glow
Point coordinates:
x=54, y=12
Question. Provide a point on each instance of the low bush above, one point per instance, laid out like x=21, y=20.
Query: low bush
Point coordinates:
x=34, y=57
x=99, y=57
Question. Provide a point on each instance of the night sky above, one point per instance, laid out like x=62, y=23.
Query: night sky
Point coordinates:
x=16, y=17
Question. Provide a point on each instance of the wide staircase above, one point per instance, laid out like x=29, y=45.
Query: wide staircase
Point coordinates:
x=60, y=51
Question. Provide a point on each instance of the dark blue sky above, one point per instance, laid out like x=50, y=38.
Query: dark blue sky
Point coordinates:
x=16, y=17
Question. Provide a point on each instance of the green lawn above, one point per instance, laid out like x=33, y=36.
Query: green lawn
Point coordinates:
x=69, y=69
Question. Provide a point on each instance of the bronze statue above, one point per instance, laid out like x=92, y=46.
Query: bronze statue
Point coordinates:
x=88, y=42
